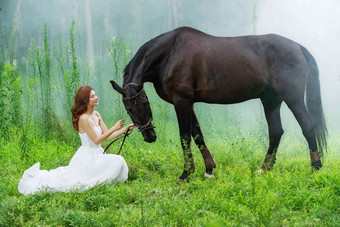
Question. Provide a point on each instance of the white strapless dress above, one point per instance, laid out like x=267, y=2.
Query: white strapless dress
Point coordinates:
x=87, y=168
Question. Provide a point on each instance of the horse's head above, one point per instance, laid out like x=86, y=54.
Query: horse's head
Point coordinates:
x=137, y=106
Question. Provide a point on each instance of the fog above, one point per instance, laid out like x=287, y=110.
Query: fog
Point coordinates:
x=314, y=24
x=132, y=19
x=311, y=23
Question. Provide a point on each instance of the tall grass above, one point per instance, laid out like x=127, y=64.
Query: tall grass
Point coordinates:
x=4, y=96
x=11, y=46
x=15, y=93
x=46, y=79
x=32, y=70
x=162, y=118
x=10, y=100
x=68, y=78
x=10, y=90
x=212, y=120
x=25, y=137
x=118, y=50
x=291, y=194
x=41, y=65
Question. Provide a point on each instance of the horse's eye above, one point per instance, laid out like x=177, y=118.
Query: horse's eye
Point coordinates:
x=128, y=107
x=144, y=101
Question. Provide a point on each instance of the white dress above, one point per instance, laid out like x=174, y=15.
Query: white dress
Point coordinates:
x=87, y=168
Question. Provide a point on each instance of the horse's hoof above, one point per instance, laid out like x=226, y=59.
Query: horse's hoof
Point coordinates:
x=209, y=171
x=184, y=177
x=208, y=175
x=180, y=182
x=317, y=165
x=260, y=171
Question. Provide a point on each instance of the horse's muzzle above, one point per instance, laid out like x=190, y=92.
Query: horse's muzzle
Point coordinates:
x=149, y=135
x=150, y=139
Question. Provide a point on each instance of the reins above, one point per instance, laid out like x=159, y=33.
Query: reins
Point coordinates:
x=126, y=134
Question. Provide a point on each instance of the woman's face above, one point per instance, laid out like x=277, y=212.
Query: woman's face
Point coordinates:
x=93, y=99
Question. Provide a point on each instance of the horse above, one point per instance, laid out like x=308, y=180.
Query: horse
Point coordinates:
x=186, y=66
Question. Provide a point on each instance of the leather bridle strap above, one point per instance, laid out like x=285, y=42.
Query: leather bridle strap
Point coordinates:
x=131, y=83
x=135, y=96
x=126, y=134
x=148, y=125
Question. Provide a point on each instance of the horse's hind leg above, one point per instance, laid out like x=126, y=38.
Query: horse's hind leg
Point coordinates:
x=300, y=112
x=271, y=104
x=199, y=140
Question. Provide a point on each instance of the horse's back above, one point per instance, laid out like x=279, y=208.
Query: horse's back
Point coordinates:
x=212, y=69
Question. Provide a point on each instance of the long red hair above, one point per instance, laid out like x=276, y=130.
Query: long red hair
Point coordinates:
x=81, y=100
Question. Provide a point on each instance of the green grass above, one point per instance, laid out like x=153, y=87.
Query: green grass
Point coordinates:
x=291, y=194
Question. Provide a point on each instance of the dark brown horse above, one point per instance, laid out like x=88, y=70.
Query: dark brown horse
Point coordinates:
x=188, y=66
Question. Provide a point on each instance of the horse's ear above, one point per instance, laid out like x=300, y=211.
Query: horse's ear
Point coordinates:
x=118, y=88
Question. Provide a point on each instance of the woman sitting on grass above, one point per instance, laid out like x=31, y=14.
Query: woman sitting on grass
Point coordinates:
x=89, y=166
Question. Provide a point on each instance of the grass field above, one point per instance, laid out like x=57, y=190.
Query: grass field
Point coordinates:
x=291, y=194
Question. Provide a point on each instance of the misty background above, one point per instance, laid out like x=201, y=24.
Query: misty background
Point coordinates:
x=312, y=23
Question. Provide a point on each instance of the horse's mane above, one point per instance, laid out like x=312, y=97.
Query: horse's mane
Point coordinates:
x=138, y=58
x=153, y=50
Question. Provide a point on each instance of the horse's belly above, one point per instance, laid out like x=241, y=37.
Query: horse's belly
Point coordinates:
x=209, y=98
x=223, y=93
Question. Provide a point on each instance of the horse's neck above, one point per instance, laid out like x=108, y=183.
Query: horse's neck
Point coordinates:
x=139, y=79
x=145, y=72
x=133, y=81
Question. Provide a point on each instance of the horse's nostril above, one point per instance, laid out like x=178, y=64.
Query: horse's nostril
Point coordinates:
x=150, y=139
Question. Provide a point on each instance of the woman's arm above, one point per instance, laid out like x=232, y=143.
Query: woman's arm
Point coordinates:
x=115, y=134
x=121, y=131
x=85, y=126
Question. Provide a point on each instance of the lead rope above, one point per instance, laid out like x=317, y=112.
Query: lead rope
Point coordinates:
x=126, y=134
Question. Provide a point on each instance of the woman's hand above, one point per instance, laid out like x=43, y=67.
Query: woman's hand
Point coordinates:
x=119, y=124
x=130, y=127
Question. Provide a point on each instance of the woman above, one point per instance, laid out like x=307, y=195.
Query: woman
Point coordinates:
x=89, y=166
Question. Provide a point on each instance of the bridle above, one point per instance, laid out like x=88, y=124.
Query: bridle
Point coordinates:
x=126, y=134
x=148, y=125
x=142, y=128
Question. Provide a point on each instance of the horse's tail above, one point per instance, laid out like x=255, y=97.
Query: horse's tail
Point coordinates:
x=313, y=101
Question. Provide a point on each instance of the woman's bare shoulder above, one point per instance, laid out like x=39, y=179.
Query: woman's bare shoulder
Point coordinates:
x=83, y=117
x=83, y=122
x=97, y=114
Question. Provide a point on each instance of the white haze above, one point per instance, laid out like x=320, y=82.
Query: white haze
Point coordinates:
x=314, y=24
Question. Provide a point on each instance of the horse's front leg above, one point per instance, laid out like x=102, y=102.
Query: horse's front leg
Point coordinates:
x=184, y=116
x=199, y=140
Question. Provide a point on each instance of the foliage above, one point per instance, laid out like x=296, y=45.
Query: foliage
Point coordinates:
x=11, y=45
x=24, y=141
x=117, y=49
x=41, y=65
x=10, y=100
x=289, y=195
x=4, y=121
x=68, y=78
